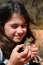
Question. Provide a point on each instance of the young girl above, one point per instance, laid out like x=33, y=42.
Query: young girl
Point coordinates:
x=14, y=29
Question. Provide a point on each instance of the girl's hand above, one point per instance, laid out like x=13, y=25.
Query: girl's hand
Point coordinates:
x=25, y=56
x=33, y=49
x=17, y=58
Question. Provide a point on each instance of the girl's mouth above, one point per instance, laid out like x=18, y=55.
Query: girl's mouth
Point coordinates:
x=19, y=37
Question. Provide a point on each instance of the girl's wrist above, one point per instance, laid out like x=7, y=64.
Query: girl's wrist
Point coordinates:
x=9, y=62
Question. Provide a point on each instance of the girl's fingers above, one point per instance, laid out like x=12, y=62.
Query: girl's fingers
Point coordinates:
x=25, y=52
x=29, y=58
x=18, y=47
x=34, y=49
x=33, y=45
x=34, y=53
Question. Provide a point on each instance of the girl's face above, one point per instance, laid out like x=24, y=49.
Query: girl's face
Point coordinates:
x=16, y=28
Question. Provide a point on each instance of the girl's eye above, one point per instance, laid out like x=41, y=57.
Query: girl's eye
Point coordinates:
x=24, y=26
x=14, y=26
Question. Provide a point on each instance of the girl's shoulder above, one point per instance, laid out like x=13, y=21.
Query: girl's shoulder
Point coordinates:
x=1, y=55
x=2, y=59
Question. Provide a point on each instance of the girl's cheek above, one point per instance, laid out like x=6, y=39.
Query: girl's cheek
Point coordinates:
x=25, y=30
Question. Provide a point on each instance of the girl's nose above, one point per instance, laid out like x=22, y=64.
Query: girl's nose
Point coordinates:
x=19, y=29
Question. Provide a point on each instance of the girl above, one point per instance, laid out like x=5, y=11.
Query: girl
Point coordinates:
x=14, y=29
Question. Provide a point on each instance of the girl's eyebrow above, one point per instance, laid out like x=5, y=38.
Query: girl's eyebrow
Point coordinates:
x=24, y=24
x=18, y=24
x=13, y=24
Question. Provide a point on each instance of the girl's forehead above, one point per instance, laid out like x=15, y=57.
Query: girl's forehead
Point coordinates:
x=16, y=18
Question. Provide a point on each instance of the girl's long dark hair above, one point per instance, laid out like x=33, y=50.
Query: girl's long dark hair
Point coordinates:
x=6, y=11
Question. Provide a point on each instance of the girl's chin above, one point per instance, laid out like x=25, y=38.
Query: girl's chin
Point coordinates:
x=17, y=40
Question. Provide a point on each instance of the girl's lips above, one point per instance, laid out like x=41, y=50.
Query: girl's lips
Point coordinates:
x=19, y=36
